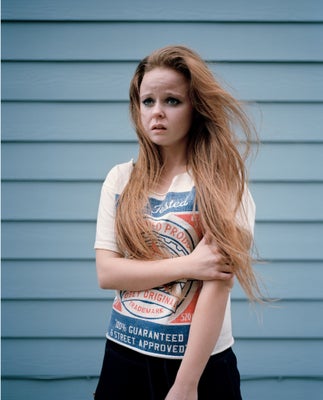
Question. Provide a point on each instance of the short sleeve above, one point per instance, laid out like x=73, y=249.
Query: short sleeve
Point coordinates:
x=112, y=187
x=246, y=215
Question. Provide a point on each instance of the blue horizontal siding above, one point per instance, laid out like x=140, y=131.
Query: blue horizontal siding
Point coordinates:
x=108, y=121
x=74, y=161
x=65, y=104
x=53, y=280
x=74, y=240
x=61, y=160
x=142, y=10
x=103, y=81
x=83, y=319
x=41, y=388
x=81, y=389
x=70, y=357
x=92, y=41
x=76, y=279
x=282, y=388
x=52, y=201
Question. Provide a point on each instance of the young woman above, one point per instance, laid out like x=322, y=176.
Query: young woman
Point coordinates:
x=172, y=230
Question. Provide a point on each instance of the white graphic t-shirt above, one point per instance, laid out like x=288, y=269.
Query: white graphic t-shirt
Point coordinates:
x=157, y=321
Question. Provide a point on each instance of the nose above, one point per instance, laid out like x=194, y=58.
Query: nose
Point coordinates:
x=158, y=110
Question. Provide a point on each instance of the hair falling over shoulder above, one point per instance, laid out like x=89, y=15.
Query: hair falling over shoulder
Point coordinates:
x=215, y=158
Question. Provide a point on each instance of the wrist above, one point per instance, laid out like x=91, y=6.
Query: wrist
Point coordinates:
x=188, y=380
x=183, y=270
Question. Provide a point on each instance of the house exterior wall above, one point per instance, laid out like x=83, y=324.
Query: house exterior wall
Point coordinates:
x=66, y=68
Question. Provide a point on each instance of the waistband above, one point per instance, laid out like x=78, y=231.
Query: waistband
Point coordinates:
x=110, y=344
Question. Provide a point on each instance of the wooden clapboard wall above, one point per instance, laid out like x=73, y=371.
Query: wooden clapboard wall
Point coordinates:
x=65, y=76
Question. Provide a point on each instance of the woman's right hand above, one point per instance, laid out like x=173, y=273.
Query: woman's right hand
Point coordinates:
x=207, y=262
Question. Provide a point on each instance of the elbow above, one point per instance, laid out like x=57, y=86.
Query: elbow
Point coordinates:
x=103, y=277
x=105, y=269
x=103, y=284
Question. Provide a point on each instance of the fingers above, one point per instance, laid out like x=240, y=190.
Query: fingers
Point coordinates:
x=223, y=276
x=224, y=269
x=221, y=259
x=227, y=268
x=208, y=239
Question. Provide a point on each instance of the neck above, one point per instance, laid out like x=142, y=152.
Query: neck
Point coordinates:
x=174, y=161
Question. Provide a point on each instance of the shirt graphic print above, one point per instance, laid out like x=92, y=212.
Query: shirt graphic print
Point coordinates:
x=157, y=320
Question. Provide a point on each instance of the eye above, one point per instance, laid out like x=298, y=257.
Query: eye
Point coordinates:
x=172, y=101
x=148, y=102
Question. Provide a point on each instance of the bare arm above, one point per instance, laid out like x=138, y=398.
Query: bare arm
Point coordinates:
x=116, y=272
x=204, y=332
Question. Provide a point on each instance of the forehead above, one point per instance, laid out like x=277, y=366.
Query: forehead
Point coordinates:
x=164, y=79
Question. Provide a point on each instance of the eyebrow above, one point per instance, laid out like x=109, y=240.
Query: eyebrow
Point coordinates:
x=168, y=93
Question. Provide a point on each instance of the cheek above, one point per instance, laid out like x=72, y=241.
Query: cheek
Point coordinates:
x=142, y=116
x=144, y=112
x=144, y=120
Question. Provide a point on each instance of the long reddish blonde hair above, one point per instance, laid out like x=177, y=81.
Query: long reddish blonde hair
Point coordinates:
x=214, y=158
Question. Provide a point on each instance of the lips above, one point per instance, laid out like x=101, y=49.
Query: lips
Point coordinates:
x=158, y=127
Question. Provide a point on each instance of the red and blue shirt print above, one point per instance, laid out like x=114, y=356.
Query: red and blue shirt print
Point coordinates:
x=157, y=321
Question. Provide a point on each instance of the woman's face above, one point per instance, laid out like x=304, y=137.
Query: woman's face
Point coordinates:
x=165, y=108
